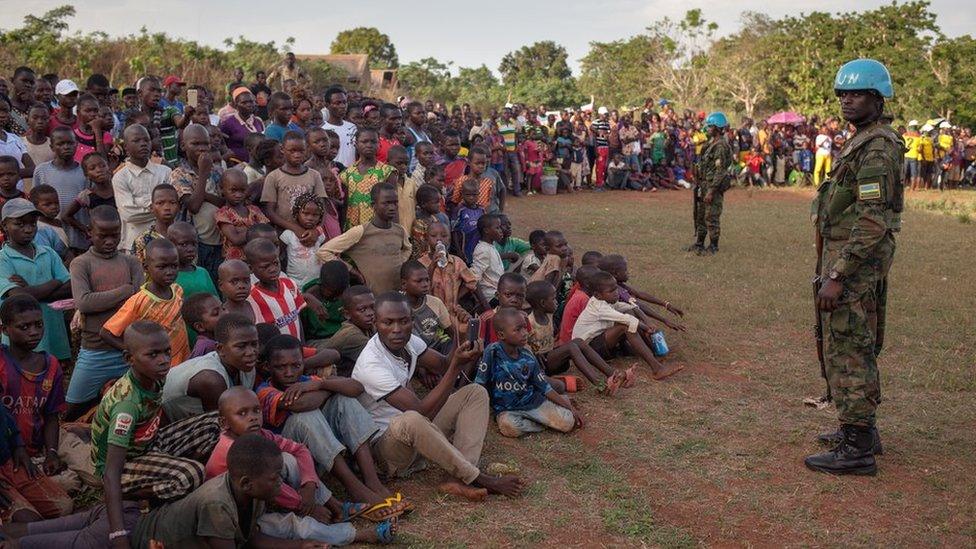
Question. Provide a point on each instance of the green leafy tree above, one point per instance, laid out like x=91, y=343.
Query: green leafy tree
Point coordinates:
x=540, y=60
x=427, y=78
x=369, y=40
x=616, y=73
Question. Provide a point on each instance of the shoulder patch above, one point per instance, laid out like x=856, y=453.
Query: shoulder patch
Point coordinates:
x=869, y=190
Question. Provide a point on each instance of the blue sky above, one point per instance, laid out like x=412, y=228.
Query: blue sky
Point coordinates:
x=448, y=30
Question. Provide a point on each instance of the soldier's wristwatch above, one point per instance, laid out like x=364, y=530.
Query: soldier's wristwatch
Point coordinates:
x=835, y=276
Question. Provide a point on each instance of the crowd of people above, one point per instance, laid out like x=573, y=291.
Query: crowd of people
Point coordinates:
x=245, y=327
x=245, y=323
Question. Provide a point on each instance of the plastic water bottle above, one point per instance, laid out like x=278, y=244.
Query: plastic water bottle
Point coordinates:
x=660, y=347
x=441, y=252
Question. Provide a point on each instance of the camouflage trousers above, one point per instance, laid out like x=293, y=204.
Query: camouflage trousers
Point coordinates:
x=851, y=338
x=707, y=217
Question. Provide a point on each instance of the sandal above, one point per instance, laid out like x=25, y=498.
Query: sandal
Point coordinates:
x=386, y=532
x=573, y=383
x=352, y=510
x=389, y=509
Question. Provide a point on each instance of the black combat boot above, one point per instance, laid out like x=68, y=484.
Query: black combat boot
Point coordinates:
x=712, y=248
x=852, y=456
x=834, y=438
x=698, y=247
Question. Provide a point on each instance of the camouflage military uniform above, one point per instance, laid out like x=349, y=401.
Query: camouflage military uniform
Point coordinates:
x=713, y=166
x=858, y=213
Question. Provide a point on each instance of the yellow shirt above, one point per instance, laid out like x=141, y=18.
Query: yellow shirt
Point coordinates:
x=925, y=148
x=911, y=145
x=945, y=144
x=699, y=138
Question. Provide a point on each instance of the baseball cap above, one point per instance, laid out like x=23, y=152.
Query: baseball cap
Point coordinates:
x=172, y=79
x=913, y=123
x=66, y=87
x=602, y=110
x=17, y=207
x=945, y=124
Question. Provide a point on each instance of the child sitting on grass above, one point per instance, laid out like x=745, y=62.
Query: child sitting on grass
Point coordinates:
x=541, y=296
x=486, y=263
x=532, y=261
x=158, y=300
x=454, y=283
x=521, y=397
x=576, y=302
x=302, y=264
x=428, y=212
x=324, y=415
x=33, y=398
x=201, y=311
x=237, y=215
x=510, y=248
x=511, y=293
x=274, y=298
x=617, y=266
x=234, y=280
x=432, y=322
x=358, y=308
x=323, y=316
x=301, y=490
x=165, y=206
x=606, y=322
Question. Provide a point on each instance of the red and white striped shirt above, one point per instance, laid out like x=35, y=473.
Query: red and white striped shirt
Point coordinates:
x=280, y=308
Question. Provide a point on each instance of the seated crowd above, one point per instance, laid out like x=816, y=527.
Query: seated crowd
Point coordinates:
x=255, y=351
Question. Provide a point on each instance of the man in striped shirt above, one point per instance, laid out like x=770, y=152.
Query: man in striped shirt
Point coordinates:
x=274, y=299
x=513, y=168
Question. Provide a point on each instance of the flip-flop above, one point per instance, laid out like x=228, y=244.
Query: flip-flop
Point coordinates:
x=405, y=507
x=384, y=532
x=396, y=508
x=352, y=509
x=573, y=383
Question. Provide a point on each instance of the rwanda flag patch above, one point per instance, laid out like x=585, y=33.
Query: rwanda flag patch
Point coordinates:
x=869, y=191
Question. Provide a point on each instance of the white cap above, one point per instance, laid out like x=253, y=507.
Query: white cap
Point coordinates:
x=927, y=128
x=945, y=124
x=602, y=110
x=65, y=87
x=913, y=123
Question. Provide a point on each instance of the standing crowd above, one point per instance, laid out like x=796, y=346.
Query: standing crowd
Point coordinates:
x=245, y=326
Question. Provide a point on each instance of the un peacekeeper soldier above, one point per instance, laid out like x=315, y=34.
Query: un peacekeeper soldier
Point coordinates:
x=712, y=182
x=858, y=213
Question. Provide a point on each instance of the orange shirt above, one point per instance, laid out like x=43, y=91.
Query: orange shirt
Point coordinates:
x=144, y=305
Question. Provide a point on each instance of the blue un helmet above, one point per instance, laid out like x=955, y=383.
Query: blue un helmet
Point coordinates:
x=864, y=74
x=717, y=119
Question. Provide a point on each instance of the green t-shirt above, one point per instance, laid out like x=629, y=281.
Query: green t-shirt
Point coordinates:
x=195, y=282
x=316, y=328
x=128, y=417
x=208, y=512
x=513, y=244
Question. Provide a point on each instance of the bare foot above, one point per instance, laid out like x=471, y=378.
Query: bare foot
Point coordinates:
x=505, y=485
x=667, y=371
x=613, y=383
x=630, y=377
x=458, y=488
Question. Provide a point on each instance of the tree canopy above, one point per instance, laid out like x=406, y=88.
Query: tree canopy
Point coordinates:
x=369, y=40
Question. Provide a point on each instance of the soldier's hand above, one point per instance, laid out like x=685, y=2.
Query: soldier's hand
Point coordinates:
x=709, y=196
x=829, y=295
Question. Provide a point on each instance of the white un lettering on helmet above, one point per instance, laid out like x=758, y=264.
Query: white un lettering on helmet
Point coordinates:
x=851, y=78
